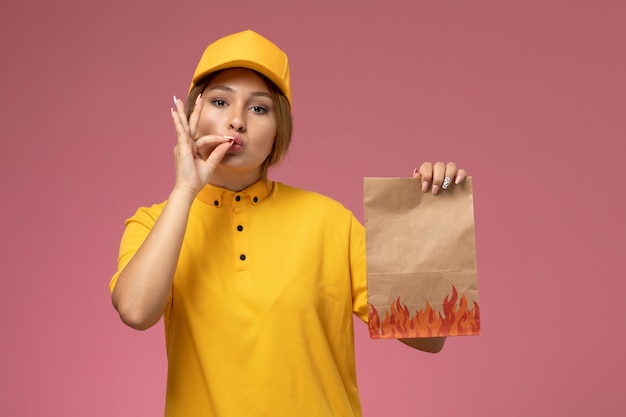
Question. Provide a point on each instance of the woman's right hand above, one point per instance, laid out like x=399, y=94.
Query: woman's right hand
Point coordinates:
x=193, y=171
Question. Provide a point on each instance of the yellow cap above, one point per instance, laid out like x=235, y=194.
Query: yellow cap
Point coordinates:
x=246, y=49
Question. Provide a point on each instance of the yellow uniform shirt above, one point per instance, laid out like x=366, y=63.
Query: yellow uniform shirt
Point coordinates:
x=259, y=322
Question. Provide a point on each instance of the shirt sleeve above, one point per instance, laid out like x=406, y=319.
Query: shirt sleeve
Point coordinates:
x=137, y=229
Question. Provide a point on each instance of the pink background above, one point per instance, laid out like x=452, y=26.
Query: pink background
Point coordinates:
x=529, y=96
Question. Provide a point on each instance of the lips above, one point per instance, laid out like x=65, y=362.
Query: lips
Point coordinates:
x=237, y=143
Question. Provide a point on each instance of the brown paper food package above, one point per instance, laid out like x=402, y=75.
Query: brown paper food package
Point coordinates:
x=421, y=260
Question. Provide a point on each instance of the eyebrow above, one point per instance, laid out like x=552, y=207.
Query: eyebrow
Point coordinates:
x=230, y=90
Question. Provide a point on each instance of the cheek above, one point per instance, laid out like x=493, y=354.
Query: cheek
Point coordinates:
x=205, y=124
x=270, y=137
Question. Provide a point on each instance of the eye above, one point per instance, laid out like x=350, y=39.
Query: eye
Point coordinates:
x=258, y=109
x=219, y=102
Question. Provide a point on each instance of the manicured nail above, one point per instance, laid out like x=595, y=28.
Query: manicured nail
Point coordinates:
x=199, y=98
x=446, y=183
x=232, y=138
x=175, y=101
x=435, y=189
x=457, y=180
x=424, y=186
x=415, y=171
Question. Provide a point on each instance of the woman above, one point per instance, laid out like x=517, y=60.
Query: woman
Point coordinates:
x=256, y=281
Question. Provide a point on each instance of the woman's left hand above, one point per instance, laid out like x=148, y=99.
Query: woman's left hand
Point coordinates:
x=439, y=176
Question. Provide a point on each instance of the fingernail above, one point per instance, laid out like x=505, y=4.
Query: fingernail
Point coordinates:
x=424, y=186
x=446, y=183
x=175, y=101
x=435, y=189
x=199, y=98
x=457, y=180
x=228, y=137
x=415, y=171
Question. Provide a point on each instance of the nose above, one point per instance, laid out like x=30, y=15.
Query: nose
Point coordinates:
x=237, y=120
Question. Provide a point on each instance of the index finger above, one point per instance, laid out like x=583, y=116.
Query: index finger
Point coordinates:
x=425, y=174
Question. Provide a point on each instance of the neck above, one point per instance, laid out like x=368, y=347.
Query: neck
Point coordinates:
x=234, y=181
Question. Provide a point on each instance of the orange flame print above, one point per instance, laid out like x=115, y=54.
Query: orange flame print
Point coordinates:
x=456, y=320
